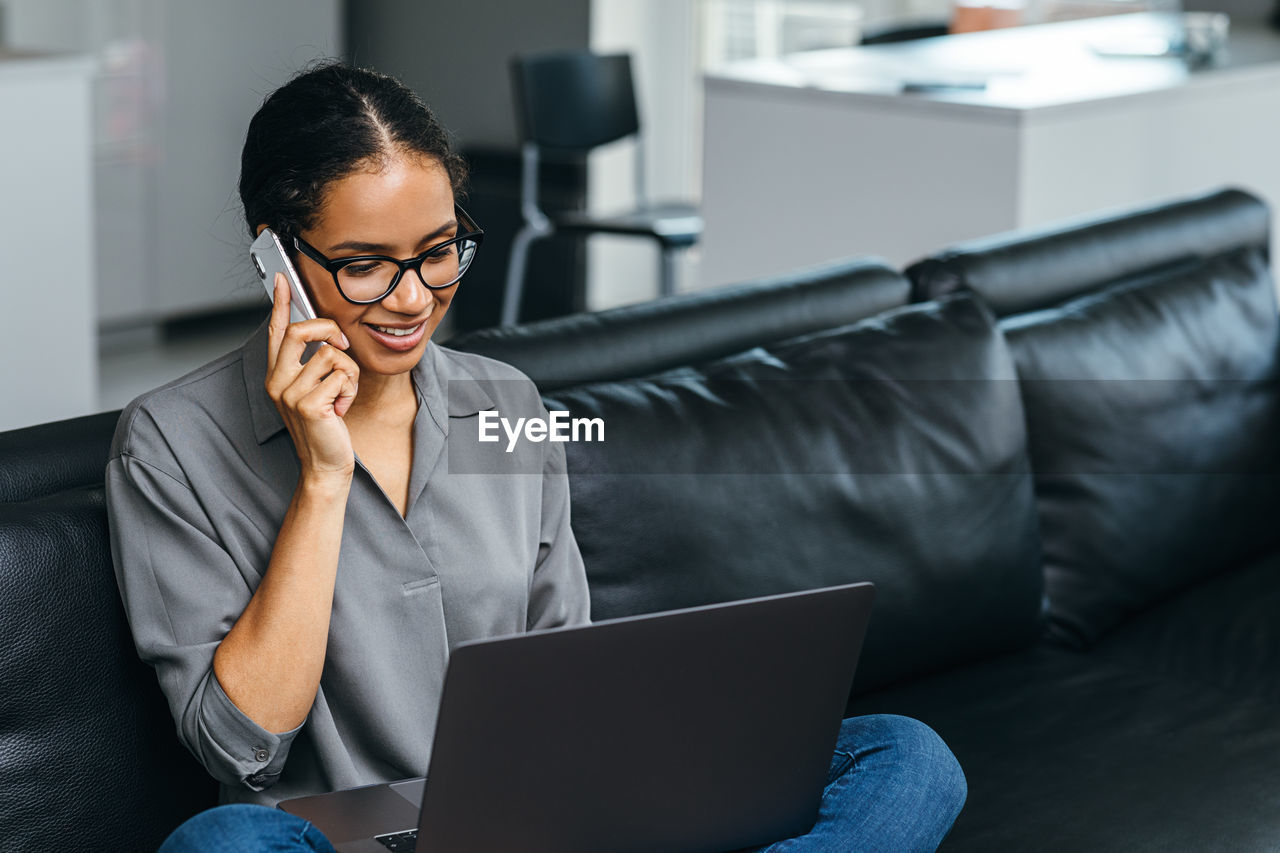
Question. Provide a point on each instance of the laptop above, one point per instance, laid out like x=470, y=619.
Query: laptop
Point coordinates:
x=691, y=731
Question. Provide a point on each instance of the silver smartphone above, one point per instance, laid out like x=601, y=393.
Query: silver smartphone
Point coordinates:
x=269, y=258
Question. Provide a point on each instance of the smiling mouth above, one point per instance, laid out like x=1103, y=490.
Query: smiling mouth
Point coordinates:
x=399, y=333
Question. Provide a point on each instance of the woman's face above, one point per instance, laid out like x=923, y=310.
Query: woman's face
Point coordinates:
x=399, y=211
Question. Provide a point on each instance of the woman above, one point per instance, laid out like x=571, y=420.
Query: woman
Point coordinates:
x=293, y=555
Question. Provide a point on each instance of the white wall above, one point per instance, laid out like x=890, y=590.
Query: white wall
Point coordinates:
x=178, y=82
x=220, y=59
x=48, y=346
x=156, y=231
x=661, y=36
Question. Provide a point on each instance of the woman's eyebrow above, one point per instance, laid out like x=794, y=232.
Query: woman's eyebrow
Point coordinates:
x=383, y=248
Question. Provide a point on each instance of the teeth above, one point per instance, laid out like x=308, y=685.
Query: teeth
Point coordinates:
x=399, y=333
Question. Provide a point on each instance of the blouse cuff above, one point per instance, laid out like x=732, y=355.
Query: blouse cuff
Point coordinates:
x=244, y=752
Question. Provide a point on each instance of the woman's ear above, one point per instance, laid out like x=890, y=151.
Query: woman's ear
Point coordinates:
x=258, y=231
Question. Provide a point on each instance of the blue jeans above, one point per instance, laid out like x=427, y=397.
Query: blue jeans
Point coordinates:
x=893, y=787
x=246, y=829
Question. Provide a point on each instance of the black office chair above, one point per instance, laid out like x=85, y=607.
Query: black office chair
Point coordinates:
x=570, y=103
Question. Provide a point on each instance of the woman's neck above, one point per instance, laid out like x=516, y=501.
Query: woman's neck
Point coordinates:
x=382, y=398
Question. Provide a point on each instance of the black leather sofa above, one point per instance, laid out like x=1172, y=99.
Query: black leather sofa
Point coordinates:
x=1058, y=464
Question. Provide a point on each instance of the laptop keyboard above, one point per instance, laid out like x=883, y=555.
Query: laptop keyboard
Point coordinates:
x=401, y=842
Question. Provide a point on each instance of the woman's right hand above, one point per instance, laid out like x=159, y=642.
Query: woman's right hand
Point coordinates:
x=312, y=398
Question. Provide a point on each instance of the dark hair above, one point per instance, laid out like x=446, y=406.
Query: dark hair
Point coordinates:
x=324, y=124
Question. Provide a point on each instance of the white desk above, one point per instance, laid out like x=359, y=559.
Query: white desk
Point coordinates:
x=49, y=345
x=822, y=155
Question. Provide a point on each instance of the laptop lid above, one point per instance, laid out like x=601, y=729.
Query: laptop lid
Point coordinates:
x=705, y=729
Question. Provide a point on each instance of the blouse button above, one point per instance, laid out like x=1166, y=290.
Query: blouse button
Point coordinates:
x=261, y=754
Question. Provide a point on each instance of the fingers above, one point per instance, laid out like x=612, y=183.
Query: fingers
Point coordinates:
x=298, y=335
x=324, y=362
x=291, y=390
x=287, y=341
x=345, y=398
x=279, y=319
x=323, y=399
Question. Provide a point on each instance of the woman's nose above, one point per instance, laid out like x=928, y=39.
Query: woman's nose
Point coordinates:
x=411, y=296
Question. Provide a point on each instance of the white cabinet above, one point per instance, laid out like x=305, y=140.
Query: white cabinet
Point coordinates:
x=824, y=155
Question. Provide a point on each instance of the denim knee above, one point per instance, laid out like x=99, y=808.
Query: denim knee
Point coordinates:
x=243, y=827
x=919, y=753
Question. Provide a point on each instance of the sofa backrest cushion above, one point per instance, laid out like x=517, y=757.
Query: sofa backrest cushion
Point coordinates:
x=1153, y=414
x=88, y=753
x=637, y=340
x=48, y=458
x=864, y=453
x=1028, y=270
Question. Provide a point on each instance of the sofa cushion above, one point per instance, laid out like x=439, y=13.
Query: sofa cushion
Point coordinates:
x=866, y=453
x=1064, y=753
x=637, y=340
x=1152, y=411
x=1221, y=632
x=87, y=746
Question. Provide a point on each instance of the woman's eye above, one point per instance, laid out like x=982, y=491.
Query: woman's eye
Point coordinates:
x=442, y=253
x=360, y=269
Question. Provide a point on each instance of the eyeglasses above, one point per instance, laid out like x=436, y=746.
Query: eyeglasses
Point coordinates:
x=366, y=279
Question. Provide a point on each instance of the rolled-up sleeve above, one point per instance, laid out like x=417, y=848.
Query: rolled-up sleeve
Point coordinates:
x=558, y=595
x=182, y=593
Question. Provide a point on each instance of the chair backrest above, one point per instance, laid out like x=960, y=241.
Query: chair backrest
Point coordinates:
x=574, y=101
x=48, y=458
x=1027, y=270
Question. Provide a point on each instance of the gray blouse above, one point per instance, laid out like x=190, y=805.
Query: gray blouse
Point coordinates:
x=200, y=475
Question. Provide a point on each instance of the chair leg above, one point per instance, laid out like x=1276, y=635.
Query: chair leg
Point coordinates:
x=513, y=292
x=667, y=283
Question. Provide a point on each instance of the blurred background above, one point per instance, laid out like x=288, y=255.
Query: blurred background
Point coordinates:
x=121, y=122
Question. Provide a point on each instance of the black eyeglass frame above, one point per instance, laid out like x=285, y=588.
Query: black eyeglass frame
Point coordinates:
x=472, y=232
